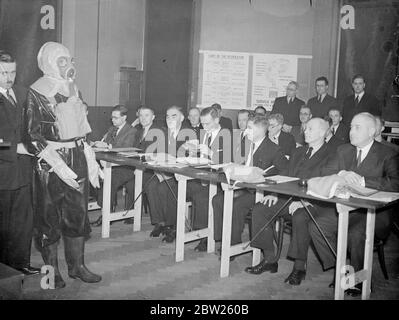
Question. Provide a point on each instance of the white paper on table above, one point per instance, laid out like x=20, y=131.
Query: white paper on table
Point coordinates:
x=282, y=179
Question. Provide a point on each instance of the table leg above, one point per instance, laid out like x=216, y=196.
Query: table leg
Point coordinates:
x=211, y=241
x=106, y=209
x=368, y=253
x=180, y=224
x=342, y=239
x=226, y=234
x=138, y=186
x=256, y=253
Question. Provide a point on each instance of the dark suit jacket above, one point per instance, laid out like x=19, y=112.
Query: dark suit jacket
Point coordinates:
x=286, y=143
x=15, y=170
x=197, y=130
x=298, y=134
x=290, y=111
x=368, y=103
x=380, y=168
x=342, y=133
x=395, y=147
x=126, y=136
x=306, y=169
x=320, y=110
x=269, y=154
x=334, y=143
x=226, y=123
x=144, y=142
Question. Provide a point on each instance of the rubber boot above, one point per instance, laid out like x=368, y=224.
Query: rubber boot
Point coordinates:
x=74, y=256
x=50, y=257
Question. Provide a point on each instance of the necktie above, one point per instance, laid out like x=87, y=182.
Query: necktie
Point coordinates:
x=308, y=153
x=10, y=98
x=333, y=131
x=250, y=159
x=319, y=99
x=113, y=135
x=359, y=158
x=289, y=100
x=356, y=100
x=209, y=140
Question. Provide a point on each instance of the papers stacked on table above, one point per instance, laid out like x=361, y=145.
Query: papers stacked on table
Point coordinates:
x=281, y=179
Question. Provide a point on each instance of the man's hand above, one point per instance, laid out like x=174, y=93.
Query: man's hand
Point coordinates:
x=286, y=128
x=352, y=177
x=135, y=122
x=269, y=200
x=101, y=144
x=204, y=150
x=295, y=205
x=22, y=150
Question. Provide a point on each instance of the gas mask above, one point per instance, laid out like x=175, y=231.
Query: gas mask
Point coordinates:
x=66, y=68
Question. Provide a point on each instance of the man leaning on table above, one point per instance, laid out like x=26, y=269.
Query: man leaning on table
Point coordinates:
x=364, y=162
x=119, y=135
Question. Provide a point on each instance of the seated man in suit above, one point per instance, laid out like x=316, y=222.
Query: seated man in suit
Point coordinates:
x=194, y=118
x=360, y=101
x=240, y=141
x=323, y=102
x=263, y=154
x=332, y=141
x=260, y=110
x=306, y=162
x=284, y=140
x=364, y=162
x=216, y=146
x=298, y=132
x=163, y=204
x=225, y=123
x=380, y=122
x=120, y=135
x=289, y=107
x=338, y=128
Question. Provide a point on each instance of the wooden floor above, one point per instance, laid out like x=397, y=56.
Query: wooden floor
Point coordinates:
x=135, y=266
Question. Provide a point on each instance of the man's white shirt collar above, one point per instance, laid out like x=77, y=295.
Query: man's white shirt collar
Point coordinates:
x=360, y=95
x=365, y=150
x=4, y=93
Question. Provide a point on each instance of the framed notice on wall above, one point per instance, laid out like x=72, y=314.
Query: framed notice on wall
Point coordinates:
x=224, y=79
x=241, y=80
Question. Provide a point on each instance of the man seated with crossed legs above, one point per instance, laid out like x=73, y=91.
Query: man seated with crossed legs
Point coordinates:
x=306, y=162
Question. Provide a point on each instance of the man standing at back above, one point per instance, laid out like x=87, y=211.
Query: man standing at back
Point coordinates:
x=323, y=102
x=360, y=101
x=289, y=107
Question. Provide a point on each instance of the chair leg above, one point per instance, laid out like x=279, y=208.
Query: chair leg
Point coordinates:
x=381, y=259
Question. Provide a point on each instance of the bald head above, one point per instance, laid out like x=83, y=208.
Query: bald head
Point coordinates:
x=363, y=129
x=316, y=131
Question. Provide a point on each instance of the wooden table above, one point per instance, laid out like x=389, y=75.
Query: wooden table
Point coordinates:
x=289, y=188
x=182, y=176
x=293, y=189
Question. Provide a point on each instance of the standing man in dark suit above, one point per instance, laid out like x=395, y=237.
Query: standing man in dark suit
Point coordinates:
x=263, y=154
x=16, y=215
x=120, y=135
x=298, y=132
x=289, y=107
x=240, y=140
x=338, y=128
x=360, y=101
x=194, y=118
x=284, y=140
x=306, y=162
x=323, y=102
x=224, y=122
x=364, y=162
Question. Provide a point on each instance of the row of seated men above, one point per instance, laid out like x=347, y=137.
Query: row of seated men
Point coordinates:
x=367, y=160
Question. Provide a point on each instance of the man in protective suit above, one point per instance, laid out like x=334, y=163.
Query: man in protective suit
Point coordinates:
x=56, y=127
